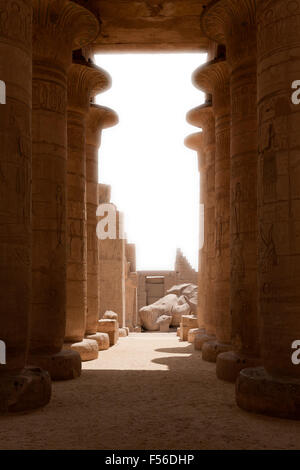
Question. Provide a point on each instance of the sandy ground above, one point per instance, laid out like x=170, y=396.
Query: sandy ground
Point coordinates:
x=148, y=392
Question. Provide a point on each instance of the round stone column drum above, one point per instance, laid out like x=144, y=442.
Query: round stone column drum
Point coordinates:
x=203, y=117
x=58, y=28
x=213, y=78
x=274, y=389
x=85, y=80
x=20, y=388
x=98, y=118
x=232, y=22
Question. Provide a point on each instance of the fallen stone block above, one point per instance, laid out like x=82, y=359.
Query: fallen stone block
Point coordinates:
x=110, y=315
x=87, y=348
x=102, y=340
x=192, y=333
x=187, y=323
x=111, y=327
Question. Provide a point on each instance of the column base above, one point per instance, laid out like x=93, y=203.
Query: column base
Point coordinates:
x=229, y=365
x=65, y=365
x=193, y=332
x=111, y=327
x=88, y=349
x=259, y=392
x=102, y=340
x=201, y=339
x=123, y=332
x=211, y=350
x=27, y=390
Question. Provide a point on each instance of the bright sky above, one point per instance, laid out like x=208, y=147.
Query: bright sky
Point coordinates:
x=154, y=177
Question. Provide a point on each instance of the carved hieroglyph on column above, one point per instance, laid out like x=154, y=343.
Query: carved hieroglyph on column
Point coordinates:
x=85, y=80
x=203, y=117
x=98, y=118
x=58, y=28
x=20, y=388
x=213, y=78
x=232, y=22
x=275, y=388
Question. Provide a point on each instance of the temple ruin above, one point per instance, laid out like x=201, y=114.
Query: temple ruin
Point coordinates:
x=65, y=295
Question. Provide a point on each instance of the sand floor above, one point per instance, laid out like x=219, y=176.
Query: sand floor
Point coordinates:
x=148, y=392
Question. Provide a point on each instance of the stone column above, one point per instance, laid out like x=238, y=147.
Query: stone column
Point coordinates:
x=58, y=27
x=85, y=80
x=20, y=388
x=203, y=117
x=98, y=118
x=213, y=78
x=195, y=142
x=274, y=389
x=232, y=22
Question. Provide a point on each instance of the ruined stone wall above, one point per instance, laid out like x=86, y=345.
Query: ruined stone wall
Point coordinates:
x=184, y=272
x=131, y=319
x=150, y=282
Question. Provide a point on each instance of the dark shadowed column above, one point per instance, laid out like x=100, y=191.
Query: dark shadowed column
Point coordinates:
x=85, y=80
x=213, y=78
x=232, y=22
x=275, y=388
x=58, y=28
x=20, y=388
x=203, y=117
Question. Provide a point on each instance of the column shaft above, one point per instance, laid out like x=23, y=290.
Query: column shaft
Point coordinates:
x=20, y=388
x=85, y=80
x=92, y=149
x=232, y=22
x=49, y=208
x=221, y=104
x=203, y=117
x=213, y=78
x=209, y=144
x=275, y=389
x=76, y=228
x=15, y=184
x=245, y=336
x=98, y=118
x=58, y=29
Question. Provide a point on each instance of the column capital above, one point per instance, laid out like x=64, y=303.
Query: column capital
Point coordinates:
x=194, y=141
x=219, y=16
x=101, y=117
x=60, y=26
x=85, y=80
x=212, y=76
x=231, y=22
x=98, y=118
x=201, y=116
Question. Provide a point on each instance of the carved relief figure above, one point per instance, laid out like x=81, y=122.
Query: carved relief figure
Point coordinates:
x=269, y=256
x=237, y=263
